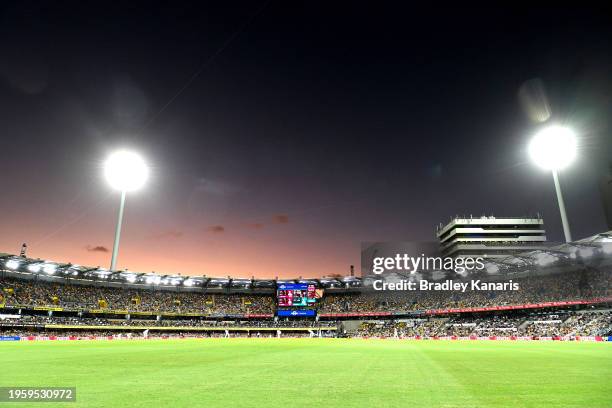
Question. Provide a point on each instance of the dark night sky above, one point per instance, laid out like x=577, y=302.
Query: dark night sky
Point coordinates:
x=283, y=134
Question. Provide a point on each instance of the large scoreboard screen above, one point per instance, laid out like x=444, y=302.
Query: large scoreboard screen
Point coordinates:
x=298, y=294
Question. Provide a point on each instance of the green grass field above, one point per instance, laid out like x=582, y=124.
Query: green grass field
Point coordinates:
x=315, y=373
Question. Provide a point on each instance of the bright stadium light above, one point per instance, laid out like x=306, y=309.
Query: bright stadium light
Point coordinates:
x=492, y=268
x=545, y=259
x=554, y=148
x=12, y=264
x=35, y=268
x=49, y=269
x=125, y=171
x=151, y=279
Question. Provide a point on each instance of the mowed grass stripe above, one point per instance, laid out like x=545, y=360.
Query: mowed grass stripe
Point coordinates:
x=315, y=372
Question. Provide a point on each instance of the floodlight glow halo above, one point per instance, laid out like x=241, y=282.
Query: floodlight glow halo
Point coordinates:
x=126, y=171
x=553, y=148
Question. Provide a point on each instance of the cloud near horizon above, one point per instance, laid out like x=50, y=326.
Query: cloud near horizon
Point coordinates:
x=216, y=229
x=172, y=234
x=97, y=248
x=281, y=219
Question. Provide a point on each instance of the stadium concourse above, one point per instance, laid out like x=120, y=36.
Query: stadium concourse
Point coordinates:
x=564, y=294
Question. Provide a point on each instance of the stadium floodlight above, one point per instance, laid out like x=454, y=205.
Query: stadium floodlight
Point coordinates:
x=49, y=268
x=125, y=171
x=152, y=279
x=492, y=268
x=545, y=259
x=35, y=268
x=12, y=264
x=130, y=278
x=554, y=148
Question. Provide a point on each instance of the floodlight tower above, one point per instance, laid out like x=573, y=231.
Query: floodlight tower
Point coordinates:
x=554, y=148
x=125, y=171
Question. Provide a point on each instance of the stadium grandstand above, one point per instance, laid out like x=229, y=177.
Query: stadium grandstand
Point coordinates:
x=564, y=294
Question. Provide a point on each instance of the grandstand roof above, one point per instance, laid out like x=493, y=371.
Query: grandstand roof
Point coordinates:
x=555, y=258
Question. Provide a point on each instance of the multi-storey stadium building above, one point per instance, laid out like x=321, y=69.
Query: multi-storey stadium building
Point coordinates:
x=491, y=237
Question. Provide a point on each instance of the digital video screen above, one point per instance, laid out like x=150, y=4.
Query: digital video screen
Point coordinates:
x=296, y=313
x=298, y=295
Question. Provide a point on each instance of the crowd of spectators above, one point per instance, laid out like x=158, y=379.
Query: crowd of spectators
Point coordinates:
x=554, y=324
x=41, y=321
x=581, y=285
x=92, y=334
x=16, y=292
x=561, y=323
